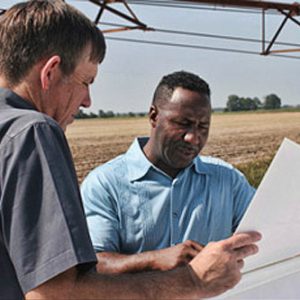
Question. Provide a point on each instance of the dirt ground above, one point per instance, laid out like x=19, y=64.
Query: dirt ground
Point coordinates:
x=236, y=138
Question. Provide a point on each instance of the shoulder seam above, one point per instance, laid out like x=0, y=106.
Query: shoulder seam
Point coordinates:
x=34, y=124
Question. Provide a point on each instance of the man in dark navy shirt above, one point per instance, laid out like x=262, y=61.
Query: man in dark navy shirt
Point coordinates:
x=49, y=56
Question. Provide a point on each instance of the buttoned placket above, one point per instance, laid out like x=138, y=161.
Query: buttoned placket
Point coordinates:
x=174, y=212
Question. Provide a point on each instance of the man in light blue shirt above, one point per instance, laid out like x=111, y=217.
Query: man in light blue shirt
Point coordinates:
x=157, y=205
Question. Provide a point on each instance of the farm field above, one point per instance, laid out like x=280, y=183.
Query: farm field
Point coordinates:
x=238, y=138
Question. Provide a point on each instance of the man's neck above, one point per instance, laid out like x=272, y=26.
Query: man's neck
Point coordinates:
x=148, y=151
x=4, y=83
x=25, y=93
x=23, y=90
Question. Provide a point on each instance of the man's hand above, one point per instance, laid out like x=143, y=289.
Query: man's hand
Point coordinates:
x=218, y=265
x=172, y=257
x=163, y=259
x=216, y=269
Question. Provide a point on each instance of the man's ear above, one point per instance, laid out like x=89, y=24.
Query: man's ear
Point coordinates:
x=49, y=71
x=153, y=113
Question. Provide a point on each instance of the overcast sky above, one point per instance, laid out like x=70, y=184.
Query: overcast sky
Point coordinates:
x=130, y=72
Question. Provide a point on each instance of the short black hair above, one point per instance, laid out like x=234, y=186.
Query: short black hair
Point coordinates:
x=183, y=79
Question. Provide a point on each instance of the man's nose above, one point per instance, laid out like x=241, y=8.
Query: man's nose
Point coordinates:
x=192, y=136
x=86, y=101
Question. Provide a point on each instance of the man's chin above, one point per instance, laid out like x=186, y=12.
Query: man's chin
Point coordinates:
x=183, y=164
x=185, y=159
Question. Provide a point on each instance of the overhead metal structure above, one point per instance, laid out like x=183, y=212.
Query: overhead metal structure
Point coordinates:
x=289, y=12
x=129, y=16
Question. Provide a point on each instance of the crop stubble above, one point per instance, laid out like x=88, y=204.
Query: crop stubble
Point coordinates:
x=236, y=138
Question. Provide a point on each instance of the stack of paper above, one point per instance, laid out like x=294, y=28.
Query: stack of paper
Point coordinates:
x=275, y=210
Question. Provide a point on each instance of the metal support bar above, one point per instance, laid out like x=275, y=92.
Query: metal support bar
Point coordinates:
x=267, y=51
x=263, y=30
x=101, y=10
x=286, y=50
x=120, y=14
x=124, y=28
x=130, y=10
x=294, y=7
x=290, y=17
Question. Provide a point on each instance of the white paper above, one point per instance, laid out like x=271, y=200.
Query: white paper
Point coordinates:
x=277, y=281
x=275, y=210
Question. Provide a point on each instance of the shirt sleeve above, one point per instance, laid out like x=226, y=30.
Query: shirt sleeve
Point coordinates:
x=44, y=227
x=243, y=193
x=101, y=210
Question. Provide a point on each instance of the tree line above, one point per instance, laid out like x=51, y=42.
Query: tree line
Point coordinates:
x=107, y=114
x=236, y=103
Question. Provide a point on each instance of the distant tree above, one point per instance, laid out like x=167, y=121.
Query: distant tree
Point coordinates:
x=110, y=114
x=131, y=114
x=250, y=104
x=93, y=115
x=101, y=113
x=236, y=103
x=81, y=115
x=246, y=104
x=257, y=103
x=233, y=103
x=272, y=101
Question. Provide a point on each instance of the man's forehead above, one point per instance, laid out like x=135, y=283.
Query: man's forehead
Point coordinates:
x=187, y=111
x=87, y=68
x=184, y=98
x=85, y=63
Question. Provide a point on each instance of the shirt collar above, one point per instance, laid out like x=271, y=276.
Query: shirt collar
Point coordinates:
x=139, y=165
x=10, y=99
x=200, y=166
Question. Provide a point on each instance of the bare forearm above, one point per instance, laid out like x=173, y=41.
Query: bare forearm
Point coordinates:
x=161, y=259
x=180, y=283
x=213, y=271
x=115, y=263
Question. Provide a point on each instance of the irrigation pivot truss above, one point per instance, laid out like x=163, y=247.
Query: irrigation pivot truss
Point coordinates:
x=290, y=12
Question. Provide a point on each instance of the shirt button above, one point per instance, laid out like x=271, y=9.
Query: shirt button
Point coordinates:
x=175, y=215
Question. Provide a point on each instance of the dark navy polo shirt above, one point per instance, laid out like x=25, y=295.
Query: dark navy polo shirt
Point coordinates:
x=43, y=230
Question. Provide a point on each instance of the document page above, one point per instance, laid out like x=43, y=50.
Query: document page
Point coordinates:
x=275, y=210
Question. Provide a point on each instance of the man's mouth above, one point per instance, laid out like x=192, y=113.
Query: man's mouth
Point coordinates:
x=188, y=151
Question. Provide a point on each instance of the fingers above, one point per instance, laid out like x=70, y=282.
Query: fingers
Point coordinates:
x=193, y=244
x=242, y=239
x=191, y=249
x=245, y=251
x=240, y=264
x=197, y=246
x=191, y=253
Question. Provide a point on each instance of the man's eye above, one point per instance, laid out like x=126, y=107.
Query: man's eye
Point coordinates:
x=183, y=123
x=203, y=127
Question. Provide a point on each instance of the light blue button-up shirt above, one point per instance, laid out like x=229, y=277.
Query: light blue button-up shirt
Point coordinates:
x=132, y=206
